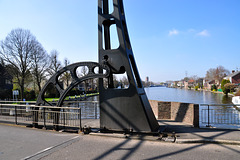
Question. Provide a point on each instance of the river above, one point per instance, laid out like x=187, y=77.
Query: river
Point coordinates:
x=186, y=96
x=221, y=116
x=230, y=115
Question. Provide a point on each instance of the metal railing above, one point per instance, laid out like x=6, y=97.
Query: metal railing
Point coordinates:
x=17, y=102
x=219, y=114
x=47, y=116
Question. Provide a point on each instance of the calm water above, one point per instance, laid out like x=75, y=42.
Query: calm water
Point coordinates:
x=221, y=116
x=187, y=96
x=232, y=116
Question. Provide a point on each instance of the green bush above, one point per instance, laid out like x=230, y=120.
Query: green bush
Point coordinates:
x=214, y=88
x=74, y=92
x=230, y=87
x=225, y=91
x=30, y=95
x=196, y=87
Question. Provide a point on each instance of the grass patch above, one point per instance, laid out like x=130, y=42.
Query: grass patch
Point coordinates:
x=72, y=97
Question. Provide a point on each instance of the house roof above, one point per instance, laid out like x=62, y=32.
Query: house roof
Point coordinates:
x=212, y=82
x=191, y=81
x=232, y=74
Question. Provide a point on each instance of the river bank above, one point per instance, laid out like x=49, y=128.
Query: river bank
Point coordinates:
x=206, y=90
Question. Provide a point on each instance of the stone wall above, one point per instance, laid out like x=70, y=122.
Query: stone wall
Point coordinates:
x=154, y=105
x=177, y=111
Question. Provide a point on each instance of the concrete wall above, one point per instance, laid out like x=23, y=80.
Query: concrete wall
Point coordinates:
x=154, y=105
x=177, y=111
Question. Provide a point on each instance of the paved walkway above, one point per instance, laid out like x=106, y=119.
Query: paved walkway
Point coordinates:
x=187, y=133
x=184, y=133
x=20, y=142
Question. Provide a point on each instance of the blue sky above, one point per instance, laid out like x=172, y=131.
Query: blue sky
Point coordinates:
x=169, y=37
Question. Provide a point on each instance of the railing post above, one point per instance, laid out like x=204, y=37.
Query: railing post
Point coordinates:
x=44, y=118
x=1, y=108
x=21, y=112
x=56, y=118
x=15, y=114
x=95, y=108
x=208, y=125
x=32, y=109
x=64, y=118
x=80, y=120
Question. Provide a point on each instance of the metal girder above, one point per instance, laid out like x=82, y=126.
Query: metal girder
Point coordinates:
x=121, y=109
x=127, y=109
x=75, y=80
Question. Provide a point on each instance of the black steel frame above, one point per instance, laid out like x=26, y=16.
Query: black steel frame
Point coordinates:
x=125, y=110
x=121, y=109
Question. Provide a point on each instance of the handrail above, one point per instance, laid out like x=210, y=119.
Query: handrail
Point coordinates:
x=49, y=115
x=17, y=101
x=50, y=101
x=219, y=104
x=220, y=116
x=33, y=106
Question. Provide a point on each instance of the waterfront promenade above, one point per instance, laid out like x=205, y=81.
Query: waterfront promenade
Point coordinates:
x=20, y=142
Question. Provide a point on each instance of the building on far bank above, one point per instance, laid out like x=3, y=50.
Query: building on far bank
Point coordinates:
x=147, y=79
x=147, y=82
x=6, y=84
x=208, y=84
x=234, y=77
x=6, y=79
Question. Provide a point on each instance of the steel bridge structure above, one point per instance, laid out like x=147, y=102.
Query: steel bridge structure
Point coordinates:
x=126, y=109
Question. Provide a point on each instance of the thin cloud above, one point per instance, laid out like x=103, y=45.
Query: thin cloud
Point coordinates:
x=203, y=33
x=191, y=30
x=173, y=32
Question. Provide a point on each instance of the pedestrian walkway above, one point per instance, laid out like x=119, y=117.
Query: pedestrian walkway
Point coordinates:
x=20, y=142
x=182, y=133
x=187, y=133
x=177, y=132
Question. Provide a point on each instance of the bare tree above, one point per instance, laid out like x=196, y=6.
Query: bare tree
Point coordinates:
x=221, y=72
x=16, y=50
x=66, y=77
x=2, y=62
x=210, y=75
x=66, y=62
x=115, y=82
x=217, y=73
x=39, y=65
x=194, y=77
x=124, y=81
x=55, y=64
x=84, y=72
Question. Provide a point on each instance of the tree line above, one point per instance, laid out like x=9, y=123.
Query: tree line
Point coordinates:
x=26, y=60
x=30, y=65
x=217, y=75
